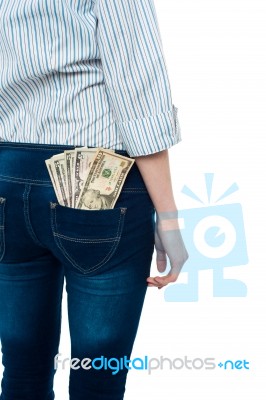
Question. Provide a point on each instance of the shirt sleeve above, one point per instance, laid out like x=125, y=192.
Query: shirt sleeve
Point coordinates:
x=136, y=76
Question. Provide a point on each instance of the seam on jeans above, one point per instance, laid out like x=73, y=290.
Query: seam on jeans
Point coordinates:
x=27, y=216
x=2, y=232
x=106, y=258
x=114, y=247
x=49, y=183
x=24, y=181
x=71, y=239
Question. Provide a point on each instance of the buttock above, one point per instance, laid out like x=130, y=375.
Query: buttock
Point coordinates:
x=86, y=242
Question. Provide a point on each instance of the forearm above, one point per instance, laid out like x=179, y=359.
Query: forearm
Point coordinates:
x=155, y=171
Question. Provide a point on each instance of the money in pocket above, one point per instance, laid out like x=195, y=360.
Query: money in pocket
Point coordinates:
x=88, y=178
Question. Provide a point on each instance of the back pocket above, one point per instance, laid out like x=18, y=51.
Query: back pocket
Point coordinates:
x=86, y=239
x=2, y=227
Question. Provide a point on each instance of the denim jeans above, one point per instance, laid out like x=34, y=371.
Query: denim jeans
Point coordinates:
x=103, y=256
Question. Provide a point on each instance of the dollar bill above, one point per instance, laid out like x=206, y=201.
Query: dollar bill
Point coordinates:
x=104, y=180
x=82, y=161
x=51, y=172
x=69, y=165
x=59, y=172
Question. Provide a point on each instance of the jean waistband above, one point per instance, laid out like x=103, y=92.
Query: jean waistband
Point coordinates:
x=25, y=163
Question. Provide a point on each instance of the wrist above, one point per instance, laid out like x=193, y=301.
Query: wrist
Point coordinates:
x=165, y=207
x=167, y=220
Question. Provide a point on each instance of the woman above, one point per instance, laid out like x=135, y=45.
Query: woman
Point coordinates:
x=80, y=73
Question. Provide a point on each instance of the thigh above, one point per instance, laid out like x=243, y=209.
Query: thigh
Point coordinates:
x=31, y=281
x=30, y=310
x=30, y=276
x=29, y=305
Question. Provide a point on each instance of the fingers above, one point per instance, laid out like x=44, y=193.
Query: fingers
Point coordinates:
x=161, y=260
x=161, y=281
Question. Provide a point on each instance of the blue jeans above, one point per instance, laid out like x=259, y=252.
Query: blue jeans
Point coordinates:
x=104, y=256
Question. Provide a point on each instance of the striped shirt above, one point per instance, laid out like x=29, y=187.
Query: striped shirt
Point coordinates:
x=85, y=72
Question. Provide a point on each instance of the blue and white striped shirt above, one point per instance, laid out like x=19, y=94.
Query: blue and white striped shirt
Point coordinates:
x=85, y=72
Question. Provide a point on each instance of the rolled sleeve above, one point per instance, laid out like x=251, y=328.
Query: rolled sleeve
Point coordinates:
x=136, y=76
x=151, y=134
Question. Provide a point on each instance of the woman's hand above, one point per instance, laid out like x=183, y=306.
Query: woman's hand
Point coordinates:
x=168, y=242
x=155, y=171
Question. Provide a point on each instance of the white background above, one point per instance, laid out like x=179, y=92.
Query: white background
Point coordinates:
x=215, y=53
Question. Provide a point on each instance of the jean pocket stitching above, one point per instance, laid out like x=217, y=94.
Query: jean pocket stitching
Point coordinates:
x=95, y=267
x=71, y=239
x=115, y=240
x=114, y=248
x=2, y=227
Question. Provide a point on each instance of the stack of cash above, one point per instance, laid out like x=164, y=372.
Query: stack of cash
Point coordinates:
x=88, y=178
